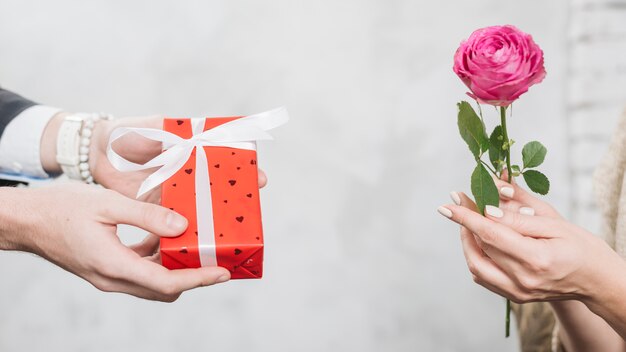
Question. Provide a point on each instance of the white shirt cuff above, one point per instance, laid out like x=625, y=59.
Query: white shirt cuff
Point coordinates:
x=21, y=142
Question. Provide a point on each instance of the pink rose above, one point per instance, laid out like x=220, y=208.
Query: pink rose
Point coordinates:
x=498, y=64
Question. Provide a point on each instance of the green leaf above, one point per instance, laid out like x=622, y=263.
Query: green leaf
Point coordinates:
x=472, y=129
x=516, y=170
x=533, y=154
x=484, y=188
x=536, y=181
x=496, y=153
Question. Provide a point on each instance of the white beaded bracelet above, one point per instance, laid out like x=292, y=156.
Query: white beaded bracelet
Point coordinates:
x=73, y=143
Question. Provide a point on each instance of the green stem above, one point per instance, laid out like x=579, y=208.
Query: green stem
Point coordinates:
x=505, y=137
x=488, y=167
x=509, y=172
x=507, y=328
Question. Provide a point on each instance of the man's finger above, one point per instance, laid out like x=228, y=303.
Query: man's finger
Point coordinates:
x=147, y=247
x=262, y=179
x=173, y=282
x=133, y=147
x=155, y=258
x=150, y=217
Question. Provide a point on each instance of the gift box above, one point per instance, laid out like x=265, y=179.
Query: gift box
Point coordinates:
x=208, y=173
x=235, y=201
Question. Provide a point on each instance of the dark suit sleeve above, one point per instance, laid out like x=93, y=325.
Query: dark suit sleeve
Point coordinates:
x=11, y=105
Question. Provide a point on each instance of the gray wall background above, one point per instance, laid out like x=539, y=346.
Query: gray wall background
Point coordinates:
x=356, y=257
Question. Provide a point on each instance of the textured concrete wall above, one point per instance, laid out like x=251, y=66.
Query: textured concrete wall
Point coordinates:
x=596, y=95
x=356, y=259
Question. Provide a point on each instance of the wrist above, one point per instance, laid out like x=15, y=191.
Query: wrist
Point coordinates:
x=97, y=150
x=74, y=148
x=48, y=148
x=607, y=286
x=14, y=222
x=562, y=306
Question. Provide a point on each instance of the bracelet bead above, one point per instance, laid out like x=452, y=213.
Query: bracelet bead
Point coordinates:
x=76, y=166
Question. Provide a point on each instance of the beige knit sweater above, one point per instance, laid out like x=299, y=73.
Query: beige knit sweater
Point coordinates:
x=537, y=325
x=610, y=189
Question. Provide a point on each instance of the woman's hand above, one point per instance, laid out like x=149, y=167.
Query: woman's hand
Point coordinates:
x=527, y=252
x=75, y=227
x=526, y=257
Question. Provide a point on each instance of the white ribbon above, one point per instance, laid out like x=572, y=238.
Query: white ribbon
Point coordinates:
x=240, y=133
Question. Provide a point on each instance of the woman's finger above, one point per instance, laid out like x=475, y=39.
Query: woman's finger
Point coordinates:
x=515, y=206
x=485, y=271
x=491, y=233
x=502, y=259
x=460, y=198
x=509, y=264
x=512, y=191
x=527, y=225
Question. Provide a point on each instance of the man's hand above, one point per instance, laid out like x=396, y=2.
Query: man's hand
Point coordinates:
x=132, y=147
x=74, y=226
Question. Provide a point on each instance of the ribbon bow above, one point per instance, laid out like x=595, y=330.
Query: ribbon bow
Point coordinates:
x=240, y=133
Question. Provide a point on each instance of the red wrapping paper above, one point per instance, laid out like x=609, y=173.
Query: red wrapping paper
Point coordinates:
x=236, y=207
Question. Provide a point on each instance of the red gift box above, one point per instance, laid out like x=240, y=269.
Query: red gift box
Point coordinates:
x=236, y=207
x=208, y=172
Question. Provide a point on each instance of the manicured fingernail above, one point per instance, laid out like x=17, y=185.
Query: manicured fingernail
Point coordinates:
x=527, y=211
x=455, y=198
x=222, y=278
x=494, y=211
x=175, y=221
x=507, y=192
x=445, y=212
